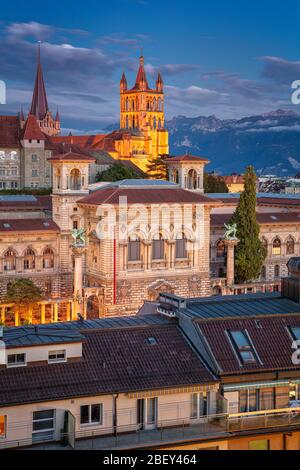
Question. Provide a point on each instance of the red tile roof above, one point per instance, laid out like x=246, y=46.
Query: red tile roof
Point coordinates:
x=28, y=225
x=114, y=360
x=159, y=195
x=234, y=179
x=32, y=130
x=270, y=339
x=9, y=131
x=72, y=156
x=187, y=158
x=80, y=140
x=263, y=218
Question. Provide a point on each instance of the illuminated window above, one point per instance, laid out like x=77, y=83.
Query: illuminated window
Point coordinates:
x=261, y=444
x=2, y=426
x=276, y=248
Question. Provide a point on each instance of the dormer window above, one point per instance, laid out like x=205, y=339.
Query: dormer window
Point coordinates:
x=243, y=346
x=295, y=332
x=57, y=356
x=16, y=360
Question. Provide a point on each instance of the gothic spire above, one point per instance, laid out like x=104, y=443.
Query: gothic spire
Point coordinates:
x=39, y=105
x=141, y=78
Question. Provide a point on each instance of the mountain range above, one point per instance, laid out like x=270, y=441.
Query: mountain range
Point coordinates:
x=270, y=142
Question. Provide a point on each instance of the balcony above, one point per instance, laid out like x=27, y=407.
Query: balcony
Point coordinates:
x=173, y=431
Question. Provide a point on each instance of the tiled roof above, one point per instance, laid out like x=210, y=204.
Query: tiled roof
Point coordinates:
x=187, y=158
x=9, y=131
x=35, y=336
x=31, y=129
x=28, y=225
x=263, y=218
x=234, y=179
x=114, y=360
x=71, y=156
x=270, y=338
x=25, y=202
x=80, y=140
x=144, y=196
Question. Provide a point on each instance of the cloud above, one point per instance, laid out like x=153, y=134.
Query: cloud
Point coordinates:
x=170, y=69
x=120, y=39
x=280, y=70
x=249, y=89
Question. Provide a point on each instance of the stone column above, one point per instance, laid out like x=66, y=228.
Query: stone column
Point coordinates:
x=78, y=280
x=230, y=244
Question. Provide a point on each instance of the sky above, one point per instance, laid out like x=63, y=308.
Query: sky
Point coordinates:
x=225, y=58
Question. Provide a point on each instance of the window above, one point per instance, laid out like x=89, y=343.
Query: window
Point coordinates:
x=34, y=158
x=43, y=425
x=29, y=259
x=10, y=260
x=34, y=173
x=276, y=247
x=151, y=410
x=91, y=414
x=220, y=249
x=152, y=340
x=181, y=251
x=75, y=180
x=276, y=270
x=261, y=444
x=48, y=258
x=263, y=272
x=134, y=249
x=158, y=246
x=192, y=179
x=199, y=406
x=249, y=400
x=15, y=360
x=75, y=224
x=243, y=347
x=57, y=356
x=2, y=426
x=295, y=332
x=290, y=246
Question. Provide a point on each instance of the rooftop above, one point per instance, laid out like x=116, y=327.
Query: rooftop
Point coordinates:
x=115, y=360
x=242, y=306
x=28, y=225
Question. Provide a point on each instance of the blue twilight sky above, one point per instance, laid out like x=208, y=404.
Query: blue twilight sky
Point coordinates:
x=228, y=58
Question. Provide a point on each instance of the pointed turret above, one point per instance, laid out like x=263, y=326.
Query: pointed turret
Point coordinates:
x=141, y=82
x=39, y=105
x=57, y=117
x=123, y=83
x=159, y=83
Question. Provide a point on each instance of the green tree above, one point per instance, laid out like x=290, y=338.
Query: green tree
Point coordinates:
x=157, y=167
x=250, y=252
x=214, y=184
x=117, y=172
x=24, y=294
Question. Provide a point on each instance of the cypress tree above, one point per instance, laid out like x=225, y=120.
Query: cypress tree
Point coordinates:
x=250, y=252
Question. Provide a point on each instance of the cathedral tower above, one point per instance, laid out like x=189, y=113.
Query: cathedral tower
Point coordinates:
x=142, y=112
x=39, y=104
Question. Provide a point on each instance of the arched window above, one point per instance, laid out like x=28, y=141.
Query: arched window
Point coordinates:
x=75, y=180
x=29, y=259
x=134, y=248
x=276, y=248
x=192, y=179
x=220, y=249
x=277, y=270
x=159, y=104
x=159, y=123
x=290, y=246
x=175, y=176
x=127, y=104
x=154, y=122
x=263, y=273
x=154, y=104
x=58, y=178
x=127, y=122
x=9, y=260
x=181, y=246
x=48, y=258
x=158, y=247
x=133, y=122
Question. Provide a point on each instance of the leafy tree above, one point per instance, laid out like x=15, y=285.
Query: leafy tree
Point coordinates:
x=117, y=172
x=157, y=167
x=214, y=184
x=23, y=293
x=250, y=252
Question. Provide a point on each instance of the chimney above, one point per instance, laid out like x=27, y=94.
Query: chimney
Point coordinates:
x=291, y=284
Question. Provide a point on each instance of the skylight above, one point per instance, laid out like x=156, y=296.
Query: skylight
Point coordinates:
x=243, y=346
x=151, y=340
x=295, y=331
